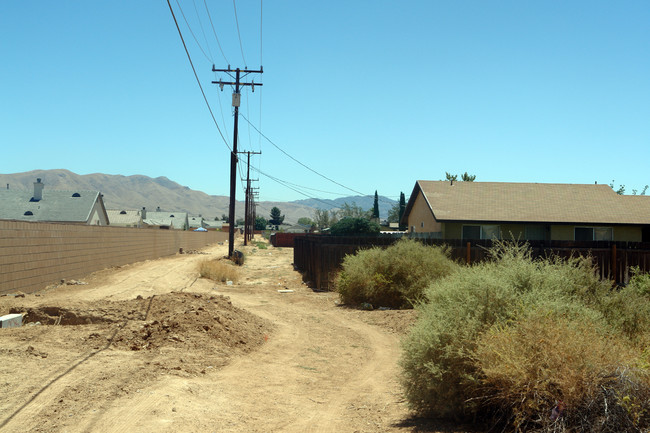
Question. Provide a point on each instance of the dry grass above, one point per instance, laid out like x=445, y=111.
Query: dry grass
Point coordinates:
x=219, y=270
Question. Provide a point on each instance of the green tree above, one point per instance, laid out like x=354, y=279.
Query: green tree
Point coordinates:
x=354, y=226
x=321, y=218
x=305, y=221
x=465, y=177
x=621, y=189
x=261, y=223
x=353, y=211
x=276, y=216
x=393, y=213
x=375, y=207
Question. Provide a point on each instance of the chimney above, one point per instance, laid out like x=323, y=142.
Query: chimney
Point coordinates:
x=38, y=190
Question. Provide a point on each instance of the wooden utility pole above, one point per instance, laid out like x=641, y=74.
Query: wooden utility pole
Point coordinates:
x=248, y=227
x=236, y=99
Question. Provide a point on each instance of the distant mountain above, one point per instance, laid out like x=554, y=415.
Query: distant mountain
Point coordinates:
x=364, y=202
x=136, y=192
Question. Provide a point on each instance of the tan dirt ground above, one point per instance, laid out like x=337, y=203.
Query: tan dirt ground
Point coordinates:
x=151, y=347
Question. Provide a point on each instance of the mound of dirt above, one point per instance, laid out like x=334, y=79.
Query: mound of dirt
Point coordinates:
x=182, y=332
x=192, y=322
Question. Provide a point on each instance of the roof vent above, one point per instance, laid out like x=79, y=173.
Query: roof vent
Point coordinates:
x=28, y=213
x=123, y=212
x=38, y=190
x=76, y=194
x=172, y=216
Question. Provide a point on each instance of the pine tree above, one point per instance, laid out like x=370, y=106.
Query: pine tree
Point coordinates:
x=402, y=209
x=375, y=207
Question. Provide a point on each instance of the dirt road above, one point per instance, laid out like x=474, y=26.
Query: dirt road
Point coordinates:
x=153, y=347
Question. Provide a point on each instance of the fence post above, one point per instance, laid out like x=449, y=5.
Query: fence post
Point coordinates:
x=469, y=252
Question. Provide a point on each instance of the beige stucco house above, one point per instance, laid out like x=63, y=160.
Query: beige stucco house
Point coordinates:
x=526, y=211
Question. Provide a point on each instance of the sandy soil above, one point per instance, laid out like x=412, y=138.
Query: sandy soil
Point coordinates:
x=151, y=347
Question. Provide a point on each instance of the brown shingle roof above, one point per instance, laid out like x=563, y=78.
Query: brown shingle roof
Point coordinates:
x=533, y=202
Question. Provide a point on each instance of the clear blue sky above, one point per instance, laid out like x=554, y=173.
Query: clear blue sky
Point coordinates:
x=373, y=95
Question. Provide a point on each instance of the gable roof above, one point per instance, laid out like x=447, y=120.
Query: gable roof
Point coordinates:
x=54, y=206
x=176, y=220
x=530, y=202
x=124, y=217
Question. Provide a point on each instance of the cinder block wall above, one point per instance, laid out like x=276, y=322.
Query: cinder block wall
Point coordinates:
x=34, y=255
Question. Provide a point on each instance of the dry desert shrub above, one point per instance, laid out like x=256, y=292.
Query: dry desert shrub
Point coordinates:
x=393, y=277
x=219, y=270
x=507, y=340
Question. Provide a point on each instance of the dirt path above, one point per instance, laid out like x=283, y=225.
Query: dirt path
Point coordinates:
x=298, y=363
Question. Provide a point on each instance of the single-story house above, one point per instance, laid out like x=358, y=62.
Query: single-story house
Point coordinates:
x=526, y=211
x=168, y=220
x=195, y=222
x=125, y=218
x=213, y=225
x=74, y=207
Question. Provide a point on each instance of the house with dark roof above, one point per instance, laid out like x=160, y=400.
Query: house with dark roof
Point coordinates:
x=167, y=220
x=42, y=205
x=526, y=211
x=125, y=217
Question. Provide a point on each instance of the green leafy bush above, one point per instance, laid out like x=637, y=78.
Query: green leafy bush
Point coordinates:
x=510, y=338
x=354, y=226
x=392, y=277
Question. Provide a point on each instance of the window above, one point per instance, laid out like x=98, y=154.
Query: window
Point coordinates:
x=593, y=234
x=535, y=233
x=482, y=232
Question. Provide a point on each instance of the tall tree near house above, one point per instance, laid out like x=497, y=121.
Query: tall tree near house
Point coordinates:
x=467, y=177
x=451, y=177
x=276, y=216
x=402, y=209
x=375, y=207
x=353, y=211
x=321, y=218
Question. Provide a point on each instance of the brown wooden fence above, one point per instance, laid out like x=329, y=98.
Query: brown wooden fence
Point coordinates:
x=319, y=257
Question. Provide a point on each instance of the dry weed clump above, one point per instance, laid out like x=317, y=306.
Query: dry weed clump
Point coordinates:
x=542, y=364
x=533, y=345
x=392, y=277
x=219, y=270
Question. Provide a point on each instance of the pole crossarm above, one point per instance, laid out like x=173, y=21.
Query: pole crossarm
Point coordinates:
x=233, y=156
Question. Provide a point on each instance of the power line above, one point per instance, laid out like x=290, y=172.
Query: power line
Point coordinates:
x=196, y=76
x=214, y=31
x=241, y=47
x=202, y=30
x=308, y=168
x=261, y=9
x=190, y=29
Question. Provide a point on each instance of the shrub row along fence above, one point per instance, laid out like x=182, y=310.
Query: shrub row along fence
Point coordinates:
x=319, y=257
x=34, y=255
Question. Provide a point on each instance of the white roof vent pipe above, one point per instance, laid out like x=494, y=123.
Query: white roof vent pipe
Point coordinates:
x=38, y=190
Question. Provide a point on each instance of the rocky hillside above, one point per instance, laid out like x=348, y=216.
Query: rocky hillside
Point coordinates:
x=136, y=192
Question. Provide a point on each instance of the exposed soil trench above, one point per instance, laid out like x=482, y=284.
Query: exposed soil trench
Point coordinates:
x=152, y=347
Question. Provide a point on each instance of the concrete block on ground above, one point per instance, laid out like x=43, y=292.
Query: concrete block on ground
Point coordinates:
x=11, y=321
